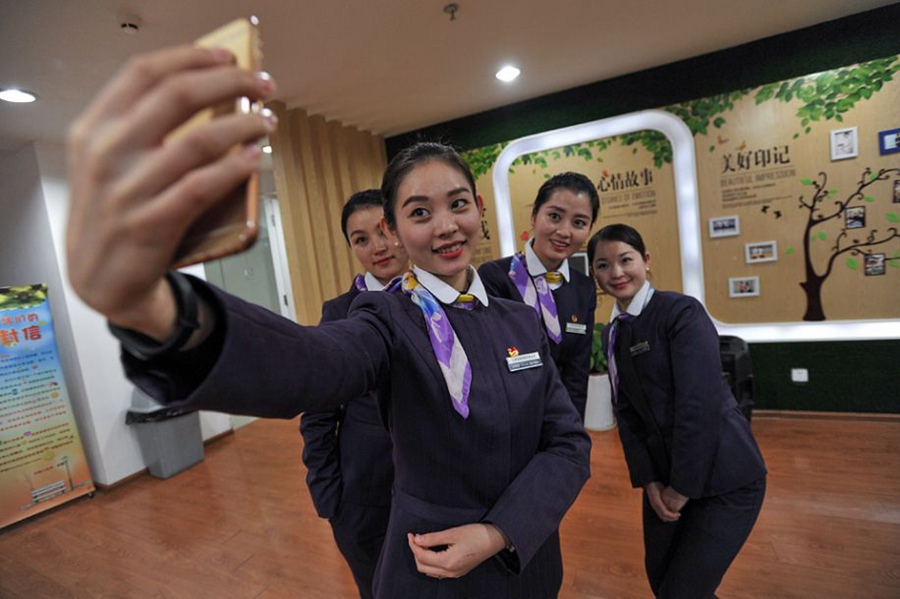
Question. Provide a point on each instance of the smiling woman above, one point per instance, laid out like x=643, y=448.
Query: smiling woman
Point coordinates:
x=437, y=218
x=564, y=298
x=457, y=374
x=686, y=441
x=346, y=450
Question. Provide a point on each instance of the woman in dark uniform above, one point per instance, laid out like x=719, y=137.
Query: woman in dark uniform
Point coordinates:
x=563, y=297
x=347, y=450
x=686, y=442
x=489, y=452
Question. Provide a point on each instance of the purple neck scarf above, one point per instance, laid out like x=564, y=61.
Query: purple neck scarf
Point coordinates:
x=448, y=350
x=536, y=293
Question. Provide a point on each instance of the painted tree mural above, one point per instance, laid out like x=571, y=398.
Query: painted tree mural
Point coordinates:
x=854, y=241
x=831, y=94
x=823, y=96
x=839, y=229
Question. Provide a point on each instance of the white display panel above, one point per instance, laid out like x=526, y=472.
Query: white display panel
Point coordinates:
x=689, y=227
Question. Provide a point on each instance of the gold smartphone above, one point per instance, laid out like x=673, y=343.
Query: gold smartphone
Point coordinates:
x=232, y=225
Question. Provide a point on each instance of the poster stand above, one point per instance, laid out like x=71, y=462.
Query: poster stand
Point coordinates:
x=42, y=461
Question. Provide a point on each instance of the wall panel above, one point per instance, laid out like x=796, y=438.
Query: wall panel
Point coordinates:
x=854, y=39
x=318, y=165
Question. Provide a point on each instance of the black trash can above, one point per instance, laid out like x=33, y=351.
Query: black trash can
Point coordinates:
x=737, y=370
x=170, y=439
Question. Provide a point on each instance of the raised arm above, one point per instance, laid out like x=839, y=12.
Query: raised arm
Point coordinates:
x=133, y=198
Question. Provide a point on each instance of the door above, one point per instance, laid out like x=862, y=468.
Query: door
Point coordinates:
x=258, y=275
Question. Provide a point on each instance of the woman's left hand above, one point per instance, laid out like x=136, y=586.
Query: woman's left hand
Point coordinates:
x=133, y=197
x=455, y=552
x=673, y=499
x=654, y=493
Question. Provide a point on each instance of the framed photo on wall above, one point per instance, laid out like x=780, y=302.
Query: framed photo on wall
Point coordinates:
x=724, y=226
x=889, y=141
x=743, y=286
x=855, y=217
x=874, y=265
x=761, y=251
x=844, y=143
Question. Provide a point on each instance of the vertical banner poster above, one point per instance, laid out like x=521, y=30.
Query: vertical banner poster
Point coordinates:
x=42, y=462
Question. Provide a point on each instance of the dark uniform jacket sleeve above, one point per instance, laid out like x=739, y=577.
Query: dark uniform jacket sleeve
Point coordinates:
x=633, y=435
x=321, y=450
x=713, y=450
x=708, y=441
x=534, y=504
x=255, y=353
x=518, y=461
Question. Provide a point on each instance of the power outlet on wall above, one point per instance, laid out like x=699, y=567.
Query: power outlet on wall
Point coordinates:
x=799, y=375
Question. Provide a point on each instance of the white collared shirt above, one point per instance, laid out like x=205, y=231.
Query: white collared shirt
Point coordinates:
x=447, y=294
x=638, y=302
x=536, y=268
x=373, y=284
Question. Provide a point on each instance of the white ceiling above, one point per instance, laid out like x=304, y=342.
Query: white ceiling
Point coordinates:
x=386, y=66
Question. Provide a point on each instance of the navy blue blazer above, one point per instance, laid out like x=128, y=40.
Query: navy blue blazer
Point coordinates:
x=347, y=450
x=675, y=352
x=518, y=461
x=576, y=301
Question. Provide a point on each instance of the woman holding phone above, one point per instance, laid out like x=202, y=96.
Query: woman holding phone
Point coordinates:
x=489, y=452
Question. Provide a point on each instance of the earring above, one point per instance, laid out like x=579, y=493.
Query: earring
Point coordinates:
x=648, y=269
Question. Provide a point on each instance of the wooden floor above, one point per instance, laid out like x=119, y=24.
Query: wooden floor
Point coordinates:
x=241, y=525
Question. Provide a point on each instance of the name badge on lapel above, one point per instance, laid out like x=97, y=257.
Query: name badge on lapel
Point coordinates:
x=639, y=348
x=576, y=327
x=516, y=362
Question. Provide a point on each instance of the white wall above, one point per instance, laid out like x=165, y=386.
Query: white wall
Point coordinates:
x=28, y=257
x=34, y=205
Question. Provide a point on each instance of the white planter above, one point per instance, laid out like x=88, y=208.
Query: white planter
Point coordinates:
x=598, y=415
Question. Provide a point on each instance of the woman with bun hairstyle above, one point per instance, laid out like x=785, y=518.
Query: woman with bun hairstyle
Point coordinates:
x=686, y=441
x=564, y=298
x=488, y=451
x=347, y=450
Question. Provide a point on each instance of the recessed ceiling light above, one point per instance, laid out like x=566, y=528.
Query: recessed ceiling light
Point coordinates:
x=507, y=73
x=20, y=96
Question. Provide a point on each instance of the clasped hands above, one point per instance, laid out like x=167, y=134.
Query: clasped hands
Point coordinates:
x=455, y=552
x=665, y=501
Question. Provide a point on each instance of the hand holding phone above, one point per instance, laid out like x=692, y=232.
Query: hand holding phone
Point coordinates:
x=232, y=225
x=132, y=199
